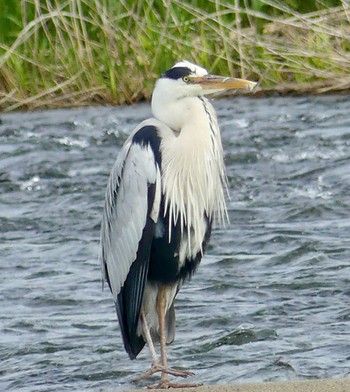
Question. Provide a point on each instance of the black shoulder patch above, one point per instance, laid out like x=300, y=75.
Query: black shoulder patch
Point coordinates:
x=177, y=72
x=148, y=135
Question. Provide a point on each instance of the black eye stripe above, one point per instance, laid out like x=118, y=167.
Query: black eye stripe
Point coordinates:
x=177, y=73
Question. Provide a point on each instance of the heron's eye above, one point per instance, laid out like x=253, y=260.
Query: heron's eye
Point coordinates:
x=186, y=79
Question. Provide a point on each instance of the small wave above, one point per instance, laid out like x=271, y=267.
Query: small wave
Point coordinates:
x=33, y=184
x=68, y=141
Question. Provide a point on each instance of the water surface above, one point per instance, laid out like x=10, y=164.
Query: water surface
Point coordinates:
x=271, y=298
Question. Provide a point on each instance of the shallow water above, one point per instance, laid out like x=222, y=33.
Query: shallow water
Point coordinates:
x=271, y=298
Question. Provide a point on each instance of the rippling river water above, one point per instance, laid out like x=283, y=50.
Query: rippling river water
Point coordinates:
x=271, y=299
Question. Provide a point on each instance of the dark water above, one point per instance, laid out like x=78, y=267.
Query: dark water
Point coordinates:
x=271, y=300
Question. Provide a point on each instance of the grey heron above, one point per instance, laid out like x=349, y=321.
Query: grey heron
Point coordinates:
x=165, y=190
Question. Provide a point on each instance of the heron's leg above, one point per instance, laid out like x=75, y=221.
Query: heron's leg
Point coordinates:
x=155, y=367
x=148, y=338
x=161, y=304
x=164, y=382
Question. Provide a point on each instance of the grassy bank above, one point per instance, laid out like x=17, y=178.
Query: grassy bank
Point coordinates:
x=79, y=52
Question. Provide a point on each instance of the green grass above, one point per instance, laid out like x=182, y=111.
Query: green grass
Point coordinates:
x=83, y=52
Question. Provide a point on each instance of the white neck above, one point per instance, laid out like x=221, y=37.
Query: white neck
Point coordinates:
x=173, y=112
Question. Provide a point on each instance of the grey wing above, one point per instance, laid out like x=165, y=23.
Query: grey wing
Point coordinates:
x=134, y=176
x=131, y=210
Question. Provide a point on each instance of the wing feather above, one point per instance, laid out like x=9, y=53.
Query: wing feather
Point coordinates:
x=131, y=210
x=126, y=211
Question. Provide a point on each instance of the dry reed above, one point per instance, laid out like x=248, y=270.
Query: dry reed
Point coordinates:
x=83, y=52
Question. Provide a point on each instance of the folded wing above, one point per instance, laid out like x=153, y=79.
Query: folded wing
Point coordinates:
x=131, y=211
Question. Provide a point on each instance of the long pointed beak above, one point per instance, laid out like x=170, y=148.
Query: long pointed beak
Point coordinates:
x=214, y=82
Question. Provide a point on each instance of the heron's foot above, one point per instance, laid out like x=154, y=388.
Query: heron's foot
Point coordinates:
x=160, y=368
x=154, y=369
x=166, y=384
x=178, y=373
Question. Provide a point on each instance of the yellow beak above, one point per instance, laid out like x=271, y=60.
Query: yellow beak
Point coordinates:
x=214, y=82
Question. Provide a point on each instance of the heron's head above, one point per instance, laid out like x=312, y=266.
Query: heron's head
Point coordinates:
x=174, y=89
x=185, y=79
